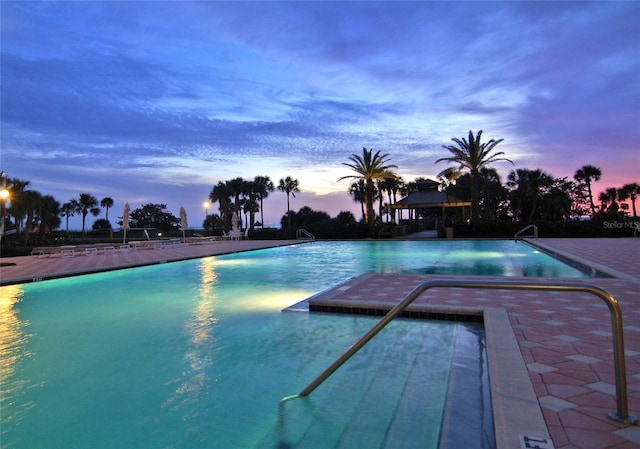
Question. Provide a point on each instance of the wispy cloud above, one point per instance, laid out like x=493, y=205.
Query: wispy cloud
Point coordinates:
x=117, y=96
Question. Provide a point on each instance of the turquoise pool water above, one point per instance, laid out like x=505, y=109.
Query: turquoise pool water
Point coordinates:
x=197, y=354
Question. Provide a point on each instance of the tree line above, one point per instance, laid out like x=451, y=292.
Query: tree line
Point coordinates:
x=526, y=195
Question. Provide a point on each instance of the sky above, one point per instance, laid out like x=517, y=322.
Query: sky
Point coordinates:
x=158, y=101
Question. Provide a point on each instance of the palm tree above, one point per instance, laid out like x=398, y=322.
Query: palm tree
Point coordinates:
x=608, y=202
x=290, y=186
x=584, y=176
x=85, y=204
x=630, y=191
x=31, y=201
x=392, y=186
x=369, y=167
x=238, y=187
x=526, y=191
x=222, y=193
x=18, y=208
x=357, y=191
x=250, y=206
x=493, y=193
x=106, y=202
x=68, y=210
x=471, y=156
x=49, y=214
x=263, y=186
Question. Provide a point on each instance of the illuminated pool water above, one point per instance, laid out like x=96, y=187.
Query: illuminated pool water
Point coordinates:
x=197, y=353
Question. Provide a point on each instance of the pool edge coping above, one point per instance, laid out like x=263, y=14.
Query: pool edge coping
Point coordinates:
x=568, y=258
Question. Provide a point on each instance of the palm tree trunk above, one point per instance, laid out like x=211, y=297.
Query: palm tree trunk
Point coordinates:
x=593, y=206
x=261, y=214
x=475, y=198
x=369, y=199
x=288, y=211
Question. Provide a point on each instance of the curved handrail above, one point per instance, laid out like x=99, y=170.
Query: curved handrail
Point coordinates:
x=300, y=232
x=622, y=412
x=535, y=231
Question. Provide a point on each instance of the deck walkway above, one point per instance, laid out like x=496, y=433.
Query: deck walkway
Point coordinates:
x=564, y=338
x=38, y=268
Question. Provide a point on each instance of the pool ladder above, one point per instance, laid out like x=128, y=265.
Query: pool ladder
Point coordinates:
x=303, y=234
x=526, y=228
x=621, y=414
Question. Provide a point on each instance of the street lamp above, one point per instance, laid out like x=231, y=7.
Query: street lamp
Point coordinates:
x=4, y=196
x=206, y=214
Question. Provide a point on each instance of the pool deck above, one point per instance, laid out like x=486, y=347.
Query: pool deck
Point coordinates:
x=563, y=339
x=38, y=268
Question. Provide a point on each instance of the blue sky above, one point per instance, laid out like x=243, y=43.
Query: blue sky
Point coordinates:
x=158, y=101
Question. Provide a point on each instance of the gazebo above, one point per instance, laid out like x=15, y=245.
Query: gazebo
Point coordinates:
x=439, y=202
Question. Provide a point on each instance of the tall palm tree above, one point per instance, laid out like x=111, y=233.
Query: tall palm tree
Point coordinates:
x=106, y=203
x=18, y=208
x=526, y=191
x=68, y=210
x=584, y=176
x=49, y=214
x=608, y=202
x=392, y=186
x=357, y=191
x=630, y=191
x=31, y=201
x=250, y=206
x=238, y=187
x=263, y=186
x=471, y=156
x=86, y=204
x=222, y=193
x=369, y=167
x=290, y=187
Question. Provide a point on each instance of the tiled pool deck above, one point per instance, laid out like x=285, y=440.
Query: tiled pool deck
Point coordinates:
x=564, y=338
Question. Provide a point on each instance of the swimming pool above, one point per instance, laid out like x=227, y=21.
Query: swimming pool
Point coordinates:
x=197, y=353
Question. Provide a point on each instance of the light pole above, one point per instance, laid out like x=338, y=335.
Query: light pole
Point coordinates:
x=4, y=196
x=206, y=214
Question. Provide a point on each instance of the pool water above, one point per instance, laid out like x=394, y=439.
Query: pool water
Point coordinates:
x=446, y=257
x=197, y=354
x=88, y=364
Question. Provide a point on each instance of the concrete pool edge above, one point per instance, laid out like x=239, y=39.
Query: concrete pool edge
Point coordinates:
x=571, y=259
x=516, y=410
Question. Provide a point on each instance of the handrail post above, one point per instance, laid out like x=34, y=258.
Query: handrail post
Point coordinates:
x=622, y=412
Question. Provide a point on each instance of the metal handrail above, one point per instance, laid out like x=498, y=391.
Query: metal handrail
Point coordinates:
x=535, y=231
x=620, y=415
x=300, y=232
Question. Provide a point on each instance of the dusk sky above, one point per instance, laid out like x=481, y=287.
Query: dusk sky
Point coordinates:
x=158, y=101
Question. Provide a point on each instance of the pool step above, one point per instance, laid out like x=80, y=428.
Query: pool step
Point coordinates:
x=365, y=408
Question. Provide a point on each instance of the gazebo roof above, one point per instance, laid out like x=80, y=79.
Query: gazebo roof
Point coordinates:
x=429, y=198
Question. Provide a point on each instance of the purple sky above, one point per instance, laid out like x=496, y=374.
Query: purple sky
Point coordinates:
x=158, y=101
